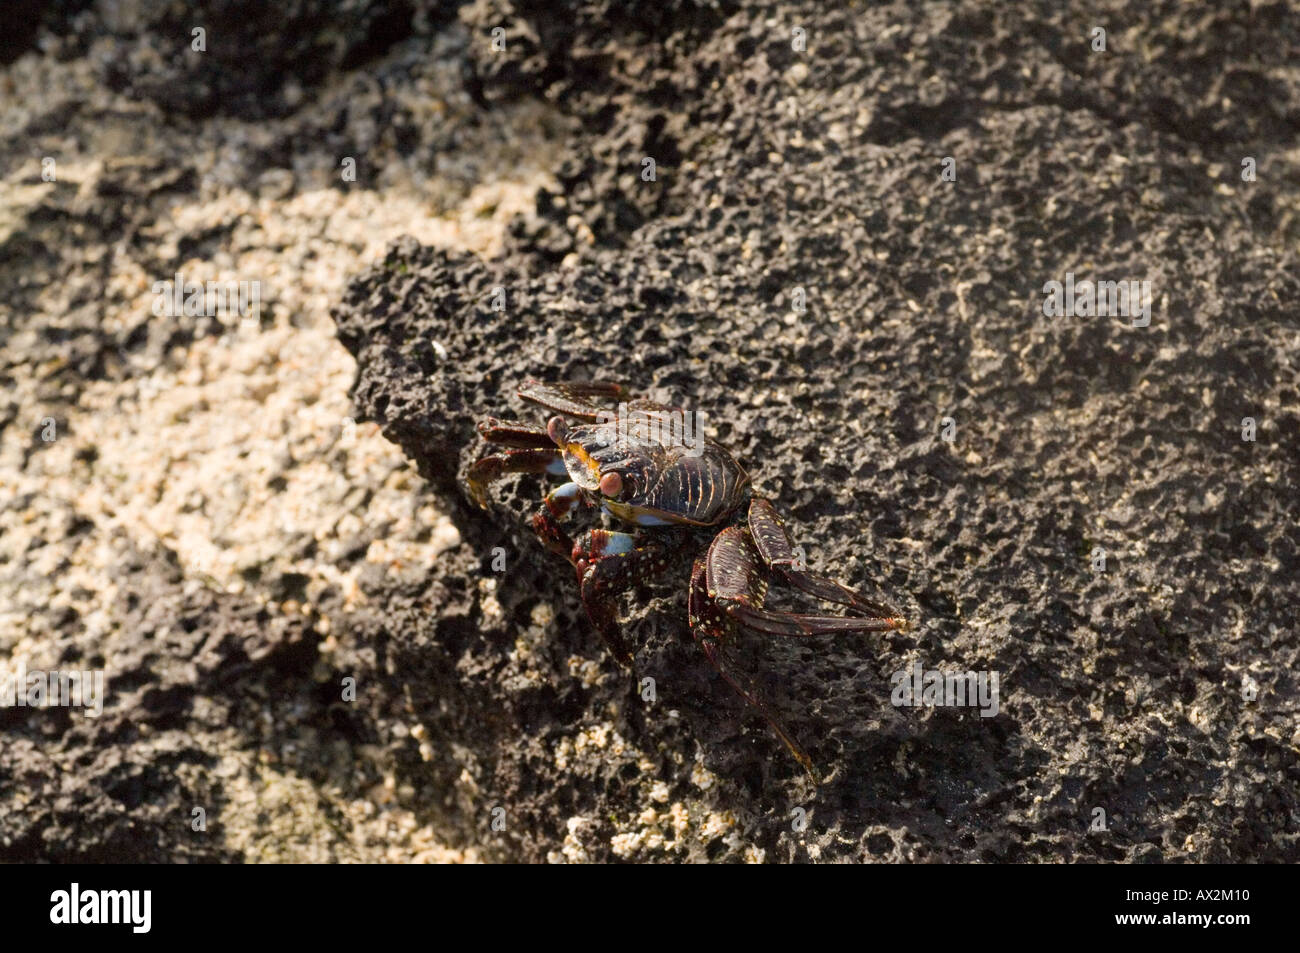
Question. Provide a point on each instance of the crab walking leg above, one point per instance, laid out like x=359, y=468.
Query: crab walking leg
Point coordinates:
x=734, y=582
x=609, y=563
x=709, y=625
x=512, y=433
x=574, y=398
x=491, y=468
x=774, y=548
x=797, y=625
x=558, y=504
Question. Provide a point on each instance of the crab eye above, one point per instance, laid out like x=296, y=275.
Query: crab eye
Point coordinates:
x=611, y=484
x=557, y=430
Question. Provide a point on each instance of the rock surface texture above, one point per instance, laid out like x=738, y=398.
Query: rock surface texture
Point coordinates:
x=776, y=169
x=1066, y=501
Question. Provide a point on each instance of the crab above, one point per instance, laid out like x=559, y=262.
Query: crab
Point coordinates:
x=635, y=467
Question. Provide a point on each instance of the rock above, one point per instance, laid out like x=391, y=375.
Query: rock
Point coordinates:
x=187, y=504
x=928, y=431
x=1070, y=503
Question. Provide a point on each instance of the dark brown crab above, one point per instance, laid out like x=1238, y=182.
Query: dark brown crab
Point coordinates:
x=643, y=473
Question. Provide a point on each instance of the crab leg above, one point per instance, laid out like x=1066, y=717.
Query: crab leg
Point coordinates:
x=512, y=433
x=734, y=580
x=774, y=548
x=572, y=397
x=608, y=563
x=546, y=521
x=708, y=626
x=494, y=467
x=797, y=625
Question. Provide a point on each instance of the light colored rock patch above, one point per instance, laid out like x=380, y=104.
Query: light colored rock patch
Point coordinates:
x=240, y=450
x=273, y=817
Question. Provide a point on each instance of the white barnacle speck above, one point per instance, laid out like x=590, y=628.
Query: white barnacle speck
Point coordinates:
x=625, y=845
x=599, y=737
x=681, y=818
x=1200, y=719
x=572, y=850
x=487, y=599
x=563, y=751
x=585, y=669
x=716, y=825
x=467, y=780
x=653, y=831
x=702, y=777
